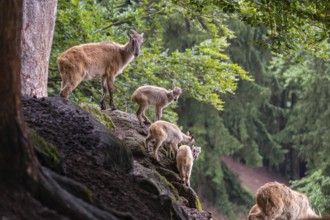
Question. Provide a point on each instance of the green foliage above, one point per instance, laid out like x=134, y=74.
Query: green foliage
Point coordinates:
x=203, y=67
x=249, y=115
x=203, y=70
x=316, y=186
x=307, y=118
x=291, y=24
x=285, y=110
x=307, y=127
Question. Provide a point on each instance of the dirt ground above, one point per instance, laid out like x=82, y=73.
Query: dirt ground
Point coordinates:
x=253, y=178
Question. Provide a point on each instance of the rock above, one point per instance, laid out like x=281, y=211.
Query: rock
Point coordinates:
x=47, y=153
x=112, y=165
x=69, y=125
x=133, y=136
x=96, y=112
x=161, y=185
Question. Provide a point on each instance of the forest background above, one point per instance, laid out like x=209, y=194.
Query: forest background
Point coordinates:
x=257, y=77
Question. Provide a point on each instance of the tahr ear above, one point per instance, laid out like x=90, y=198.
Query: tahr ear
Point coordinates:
x=131, y=33
x=188, y=133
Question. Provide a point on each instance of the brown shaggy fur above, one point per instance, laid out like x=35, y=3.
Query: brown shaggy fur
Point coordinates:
x=279, y=202
x=105, y=60
x=184, y=161
x=156, y=96
x=165, y=132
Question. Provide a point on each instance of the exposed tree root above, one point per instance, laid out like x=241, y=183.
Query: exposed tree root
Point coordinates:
x=79, y=190
x=75, y=188
x=51, y=194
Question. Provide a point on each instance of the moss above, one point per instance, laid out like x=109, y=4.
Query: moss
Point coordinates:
x=172, y=188
x=89, y=194
x=96, y=112
x=198, y=204
x=194, y=198
x=141, y=149
x=47, y=153
x=43, y=146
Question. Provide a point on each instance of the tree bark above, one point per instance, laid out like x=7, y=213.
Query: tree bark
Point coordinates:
x=17, y=157
x=37, y=36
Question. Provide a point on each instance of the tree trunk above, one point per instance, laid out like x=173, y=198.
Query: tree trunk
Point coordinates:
x=37, y=36
x=295, y=164
x=17, y=157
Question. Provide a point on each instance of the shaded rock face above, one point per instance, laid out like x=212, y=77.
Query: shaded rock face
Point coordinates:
x=122, y=176
x=73, y=130
x=133, y=136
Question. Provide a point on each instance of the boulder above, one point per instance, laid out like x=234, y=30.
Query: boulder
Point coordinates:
x=110, y=168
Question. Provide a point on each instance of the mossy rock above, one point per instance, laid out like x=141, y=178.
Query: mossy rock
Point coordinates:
x=198, y=203
x=96, y=112
x=184, y=191
x=72, y=186
x=189, y=194
x=160, y=183
x=47, y=153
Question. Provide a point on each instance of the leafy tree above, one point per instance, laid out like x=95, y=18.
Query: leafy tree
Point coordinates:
x=308, y=118
x=203, y=67
x=307, y=127
x=250, y=118
x=290, y=24
x=290, y=109
x=284, y=125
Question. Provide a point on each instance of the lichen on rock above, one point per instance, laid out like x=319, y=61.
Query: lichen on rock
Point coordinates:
x=97, y=113
x=46, y=152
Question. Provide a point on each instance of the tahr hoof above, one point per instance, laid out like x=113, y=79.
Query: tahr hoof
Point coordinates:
x=147, y=122
x=103, y=106
x=113, y=107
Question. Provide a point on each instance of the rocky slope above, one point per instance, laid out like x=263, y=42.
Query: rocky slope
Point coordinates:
x=108, y=161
